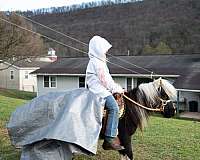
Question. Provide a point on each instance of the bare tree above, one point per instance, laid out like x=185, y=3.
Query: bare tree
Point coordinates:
x=15, y=43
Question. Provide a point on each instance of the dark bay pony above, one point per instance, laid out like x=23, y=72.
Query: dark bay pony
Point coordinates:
x=154, y=95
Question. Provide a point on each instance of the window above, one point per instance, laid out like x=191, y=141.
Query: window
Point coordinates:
x=53, y=81
x=81, y=82
x=26, y=75
x=143, y=80
x=46, y=81
x=11, y=74
x=50, y=81
x=129, y=84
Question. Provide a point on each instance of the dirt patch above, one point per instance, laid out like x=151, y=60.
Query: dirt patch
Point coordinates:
x=191, y=115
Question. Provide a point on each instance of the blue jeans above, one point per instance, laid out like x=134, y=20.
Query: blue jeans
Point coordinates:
x=113, y=116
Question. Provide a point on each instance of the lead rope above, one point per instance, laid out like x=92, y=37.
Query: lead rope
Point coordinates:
x=150, y=109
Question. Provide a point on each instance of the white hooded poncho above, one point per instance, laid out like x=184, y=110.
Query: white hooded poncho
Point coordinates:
x=98, y=78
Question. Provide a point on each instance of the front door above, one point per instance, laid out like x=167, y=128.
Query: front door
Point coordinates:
x=193, y=106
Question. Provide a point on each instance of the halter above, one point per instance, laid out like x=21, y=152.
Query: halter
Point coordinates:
x=164, y=103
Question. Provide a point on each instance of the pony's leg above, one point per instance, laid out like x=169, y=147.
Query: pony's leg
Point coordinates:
x=127, y=153
x=122, y=157
x=125, y=140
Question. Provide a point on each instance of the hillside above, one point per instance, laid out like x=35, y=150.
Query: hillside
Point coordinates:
x=147, y=27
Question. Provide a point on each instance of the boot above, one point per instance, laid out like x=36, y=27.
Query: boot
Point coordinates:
x=112, y=144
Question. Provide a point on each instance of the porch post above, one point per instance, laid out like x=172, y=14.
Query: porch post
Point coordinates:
x=177, y=103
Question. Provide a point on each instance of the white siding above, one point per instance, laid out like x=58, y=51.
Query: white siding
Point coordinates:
x=64, y=83
x=121, y=81
x=134, y=82
x=5, y=81
x=72, y=82
x=3, y=75
x=29, y=84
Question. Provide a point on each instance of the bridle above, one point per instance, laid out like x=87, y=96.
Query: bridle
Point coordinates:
x=159, y=109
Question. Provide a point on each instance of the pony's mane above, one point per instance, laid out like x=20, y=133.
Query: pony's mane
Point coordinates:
x=147, y=94
x=168, y=88
x=150, y=90
x=136, y=117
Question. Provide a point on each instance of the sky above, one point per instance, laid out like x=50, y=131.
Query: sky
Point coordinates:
x=12, y=5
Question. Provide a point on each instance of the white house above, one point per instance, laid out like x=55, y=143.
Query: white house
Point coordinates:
x=17, y=75
x=182, y=70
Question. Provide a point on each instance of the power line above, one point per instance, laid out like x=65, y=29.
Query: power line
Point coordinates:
x=131, y=63
x=75, y=39
x=63, y=44
x=51, y=29
x=123, y=67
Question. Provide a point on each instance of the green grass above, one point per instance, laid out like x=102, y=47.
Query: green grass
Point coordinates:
x=163, y=139
x=169, y=139
x=12, y=93
x=7, y=105
x=9, y=100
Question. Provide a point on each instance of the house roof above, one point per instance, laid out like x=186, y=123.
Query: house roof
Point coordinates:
x=30, y=64
x=186, y=66
x=65, y=66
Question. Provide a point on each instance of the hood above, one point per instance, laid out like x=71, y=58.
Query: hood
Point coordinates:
x=98, y=47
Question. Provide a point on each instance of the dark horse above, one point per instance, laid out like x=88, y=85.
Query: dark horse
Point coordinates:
x=154, y=95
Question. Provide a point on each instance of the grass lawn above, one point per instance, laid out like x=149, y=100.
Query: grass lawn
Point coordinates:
x=163, y=139
x=7, y=105
x=12, y=93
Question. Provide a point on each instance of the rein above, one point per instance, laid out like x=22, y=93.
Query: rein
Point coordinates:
x=150, y=109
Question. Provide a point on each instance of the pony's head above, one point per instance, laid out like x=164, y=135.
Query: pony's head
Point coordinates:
x=154, y=96
x=160, y=94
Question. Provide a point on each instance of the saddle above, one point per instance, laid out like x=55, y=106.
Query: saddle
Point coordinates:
x=120, y=101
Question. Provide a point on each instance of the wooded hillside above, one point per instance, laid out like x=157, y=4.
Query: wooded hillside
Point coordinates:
x=146, y=27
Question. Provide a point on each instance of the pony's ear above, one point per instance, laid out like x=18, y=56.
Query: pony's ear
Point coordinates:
x=158, y=81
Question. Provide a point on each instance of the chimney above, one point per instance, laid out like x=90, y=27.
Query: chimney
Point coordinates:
x=52, y=55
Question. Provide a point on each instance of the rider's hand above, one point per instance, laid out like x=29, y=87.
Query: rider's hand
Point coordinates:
x=118, y=89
